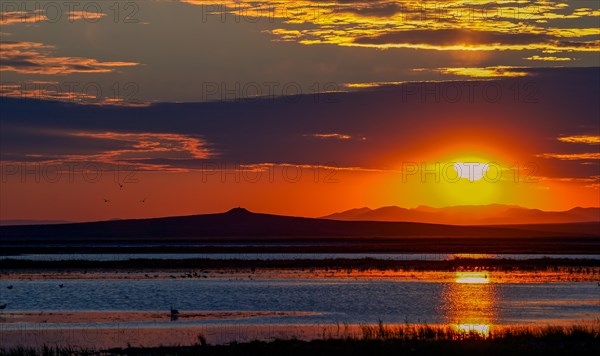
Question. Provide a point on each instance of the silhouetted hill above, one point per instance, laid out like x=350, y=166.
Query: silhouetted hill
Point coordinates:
x=241, y=223
x=493, y=214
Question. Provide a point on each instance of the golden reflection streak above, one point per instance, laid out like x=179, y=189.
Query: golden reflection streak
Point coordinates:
x=469, y=303
x=472, y=277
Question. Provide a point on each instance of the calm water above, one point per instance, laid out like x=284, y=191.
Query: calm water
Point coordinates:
x=462, y=301
x=283, y=256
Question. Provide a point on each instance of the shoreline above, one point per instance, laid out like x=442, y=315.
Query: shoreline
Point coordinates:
x=537, y=264
x=585, y=244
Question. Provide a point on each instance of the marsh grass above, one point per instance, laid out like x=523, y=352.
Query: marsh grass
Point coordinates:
x=47, y=350
x=380, y=339
x=424, y=332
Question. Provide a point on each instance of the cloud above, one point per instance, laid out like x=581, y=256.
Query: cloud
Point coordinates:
x=571, y=156
x=335, y=136
x=15, y=17
x=85, y=15
x=465, y=39
x=135, y=149
x=549, y=59
x=36, y=58
x=36, y=16
x=485, y=72
x=405, y=122
x=449, y=25
x=53, y=90
x=370, y=85
x=588, y=139
x=455, y=37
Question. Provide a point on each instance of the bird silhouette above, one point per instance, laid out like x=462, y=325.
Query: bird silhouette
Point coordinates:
x=106, y=200
x=61, y=285
x=120, y=186
x=3, y=306
x=143, y=200
x=174, y=311
x=10, y=287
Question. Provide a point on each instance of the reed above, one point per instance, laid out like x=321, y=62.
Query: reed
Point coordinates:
x=380, y=339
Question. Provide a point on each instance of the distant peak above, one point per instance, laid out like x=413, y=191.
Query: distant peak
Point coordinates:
x=239, y=210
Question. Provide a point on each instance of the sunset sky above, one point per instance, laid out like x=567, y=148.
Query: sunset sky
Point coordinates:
x=154, y=108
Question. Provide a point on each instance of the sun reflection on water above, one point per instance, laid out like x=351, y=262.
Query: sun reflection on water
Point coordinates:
x=481, y=329
x=470, y=303
x=471, y=277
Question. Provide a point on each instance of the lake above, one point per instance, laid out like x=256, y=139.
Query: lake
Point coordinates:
x=470, y=300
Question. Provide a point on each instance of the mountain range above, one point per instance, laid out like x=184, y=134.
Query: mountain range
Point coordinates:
x=242, y=224
x=494, y=214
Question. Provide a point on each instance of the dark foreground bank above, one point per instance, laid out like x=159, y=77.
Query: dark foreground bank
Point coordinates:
x=547, y=346
x=381, y=340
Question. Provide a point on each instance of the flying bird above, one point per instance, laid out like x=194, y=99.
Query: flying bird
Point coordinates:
x=143, y=200
x=106, y=200
x=10, y=287
x=3, y=306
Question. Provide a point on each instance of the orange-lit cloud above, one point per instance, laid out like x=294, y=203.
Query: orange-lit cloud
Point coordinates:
x=36, y=58
x=270, y=165
x=53, y=90
x=144, y=151
x=370, y=85
x=549, y=58
x=85, y=15
x=330, y=135
x=16, y=17
x=42, y=90
x=472, y=39
x=141, y=146
x=36, y=16
x=588, y=139
x=485, y=25
x=486, y=72
x=571, y=156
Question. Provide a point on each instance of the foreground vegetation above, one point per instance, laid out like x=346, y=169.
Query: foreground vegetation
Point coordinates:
x=383, y=340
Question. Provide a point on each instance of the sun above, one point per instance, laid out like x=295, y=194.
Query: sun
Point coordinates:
x=473, y=171
x=469, y=180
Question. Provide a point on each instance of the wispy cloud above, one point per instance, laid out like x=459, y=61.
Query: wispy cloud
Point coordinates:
x=85, y=15
x=142, y=150
x=335, y=136
x=36, y=58
x=151, y=145
x=485, y=72
x=36, y=16
x=588, y=139
x=370, y=85
x=14, y=17
x=549, y=58
x=53, y=90
x=571, y=156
